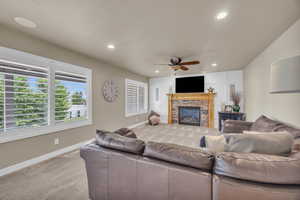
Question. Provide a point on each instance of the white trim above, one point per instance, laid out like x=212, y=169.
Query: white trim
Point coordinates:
x=138, y=84
x=136, y=125
x=22, y=58
x=33, y=161
x=19, y=134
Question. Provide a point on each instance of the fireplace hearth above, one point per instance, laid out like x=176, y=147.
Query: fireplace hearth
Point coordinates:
x=189, y=115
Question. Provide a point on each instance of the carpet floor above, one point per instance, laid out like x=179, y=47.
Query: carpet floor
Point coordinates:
x=175, y=133
x=61, y=178
x=64, y=177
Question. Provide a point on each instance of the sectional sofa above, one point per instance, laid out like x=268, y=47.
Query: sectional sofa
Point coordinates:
x=129, y=169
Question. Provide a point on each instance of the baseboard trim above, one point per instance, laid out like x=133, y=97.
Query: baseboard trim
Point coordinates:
x=136, y=125
x=33, y=161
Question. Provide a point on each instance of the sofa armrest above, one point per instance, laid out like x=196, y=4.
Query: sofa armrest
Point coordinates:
x=236, y=126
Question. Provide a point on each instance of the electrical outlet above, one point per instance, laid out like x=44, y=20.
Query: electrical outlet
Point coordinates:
x=56, y=141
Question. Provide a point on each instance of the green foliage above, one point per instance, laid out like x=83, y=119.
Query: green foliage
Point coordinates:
x=62, y=104
x=77, y=99
x=30, y=104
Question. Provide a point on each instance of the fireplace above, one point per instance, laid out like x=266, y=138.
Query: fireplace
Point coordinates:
x=189, y=115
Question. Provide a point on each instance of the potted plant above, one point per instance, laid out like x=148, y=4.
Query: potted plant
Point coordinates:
x=236, y=98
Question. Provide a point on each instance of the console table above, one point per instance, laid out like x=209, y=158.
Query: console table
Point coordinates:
x=230, y=115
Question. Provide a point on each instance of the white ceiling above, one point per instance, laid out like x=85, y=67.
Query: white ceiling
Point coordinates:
x=150, y=31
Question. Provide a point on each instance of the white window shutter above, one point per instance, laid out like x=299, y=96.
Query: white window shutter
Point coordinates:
x=23, y=96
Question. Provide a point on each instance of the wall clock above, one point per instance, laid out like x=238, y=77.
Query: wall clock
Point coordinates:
x=110, y=91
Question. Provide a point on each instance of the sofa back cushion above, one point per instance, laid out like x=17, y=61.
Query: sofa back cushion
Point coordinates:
x=182, y=155
x=258, y=167
x=275, y=143
x=115, y=141
x=265, y=124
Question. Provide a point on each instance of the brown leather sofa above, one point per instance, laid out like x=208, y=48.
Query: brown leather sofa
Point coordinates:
x=120, y=168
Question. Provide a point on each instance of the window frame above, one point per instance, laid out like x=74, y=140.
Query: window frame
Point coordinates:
x=13, y=56
x=139, y=84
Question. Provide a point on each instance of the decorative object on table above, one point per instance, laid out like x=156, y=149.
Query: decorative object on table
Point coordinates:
x=110, y=91
x=285, y=75
x=228, y=108
x=235, y=98
x=154, y=118
x=223, y=116
x=211, y=90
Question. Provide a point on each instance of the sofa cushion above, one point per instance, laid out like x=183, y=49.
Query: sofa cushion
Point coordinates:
x=236, y=126
x=263, y=143
x=183, y=155
x=118, y=142
x=258, y=167
x=264, y=124
x=277, y=143
x=284, y=127
x=126, y=132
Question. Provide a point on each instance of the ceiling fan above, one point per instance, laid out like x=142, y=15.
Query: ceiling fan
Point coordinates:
x=177, y=64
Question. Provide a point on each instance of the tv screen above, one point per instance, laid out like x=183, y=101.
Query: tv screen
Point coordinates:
x=190, y=84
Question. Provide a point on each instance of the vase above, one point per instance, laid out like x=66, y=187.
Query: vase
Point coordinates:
x=236, y=108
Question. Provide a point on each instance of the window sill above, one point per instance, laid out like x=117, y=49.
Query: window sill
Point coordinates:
x=20, y=134
x=135, y=114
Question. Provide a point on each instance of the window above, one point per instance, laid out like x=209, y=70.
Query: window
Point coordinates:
x=24, y=96
x=136, y=97
x=39, y=95
x=70, y=97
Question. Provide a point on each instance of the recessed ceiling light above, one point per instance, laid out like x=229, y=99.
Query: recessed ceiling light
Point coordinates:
x=221, y=15
x=25, y=22
x=157, y=71
x=111, y=46
x=214, y=64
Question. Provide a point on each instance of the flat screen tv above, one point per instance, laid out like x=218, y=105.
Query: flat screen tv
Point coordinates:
x=190, y=84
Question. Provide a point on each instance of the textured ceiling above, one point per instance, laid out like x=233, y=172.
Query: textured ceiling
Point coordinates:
x=150, y=31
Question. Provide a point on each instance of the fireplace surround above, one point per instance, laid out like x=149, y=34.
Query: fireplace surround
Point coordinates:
x=204, y=101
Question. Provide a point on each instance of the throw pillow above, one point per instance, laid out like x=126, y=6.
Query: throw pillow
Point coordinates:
x=264, y=124
x=154, y=120
x=213, y=143
x=279, y=143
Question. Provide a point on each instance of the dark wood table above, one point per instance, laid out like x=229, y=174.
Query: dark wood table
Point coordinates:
x=230, y=115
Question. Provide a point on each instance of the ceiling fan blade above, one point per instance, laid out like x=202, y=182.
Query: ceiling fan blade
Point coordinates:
x=184, y=68
x=161, y=64
x=176, y=67
x=196, y=62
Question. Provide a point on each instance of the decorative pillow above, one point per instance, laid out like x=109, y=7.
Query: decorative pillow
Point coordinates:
x=213, y=143
x=154, y=120
x=264, y=124
x=279, y=143
x=126, y=132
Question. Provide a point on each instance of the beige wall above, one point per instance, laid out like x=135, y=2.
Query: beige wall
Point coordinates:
x=285, y=107
x=105, y=115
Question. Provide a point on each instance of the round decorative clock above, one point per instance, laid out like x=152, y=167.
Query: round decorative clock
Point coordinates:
x=110, y=91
